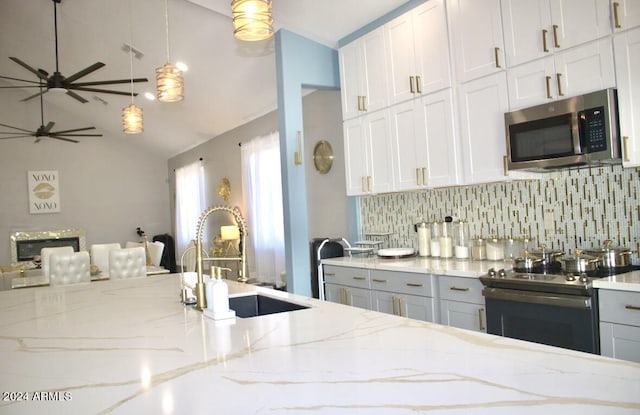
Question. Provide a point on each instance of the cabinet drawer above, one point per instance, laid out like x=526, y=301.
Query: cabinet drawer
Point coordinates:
x=402, y=282
x=619, y=307
x=352, y=277
x=468, y=290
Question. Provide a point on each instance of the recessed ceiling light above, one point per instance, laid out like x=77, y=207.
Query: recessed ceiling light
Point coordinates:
x=182, y=66
x=149, y=96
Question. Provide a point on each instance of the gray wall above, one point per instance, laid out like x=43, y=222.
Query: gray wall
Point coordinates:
x=221, y=157
x=108, y=185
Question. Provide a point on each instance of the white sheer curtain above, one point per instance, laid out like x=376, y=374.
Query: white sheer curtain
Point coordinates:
x=262, y=189
x=190, y=202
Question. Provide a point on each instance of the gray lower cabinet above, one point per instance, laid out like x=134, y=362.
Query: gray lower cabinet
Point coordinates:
x=619, y=324
x=346, y=285
x=404, y=294
x=462, y=303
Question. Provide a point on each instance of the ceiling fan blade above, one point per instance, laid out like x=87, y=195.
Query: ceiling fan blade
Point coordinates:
x=34, y=95
x=24, y=86
x=64, y=139
x=15, y=128
x=78, y=135
x=74, y=130
x=115, y=81
x=29, y=68
x=84, y=72
x=104, y=91
x=21, y=80
x=76, y=96
x=48, y=127
x=17, y=136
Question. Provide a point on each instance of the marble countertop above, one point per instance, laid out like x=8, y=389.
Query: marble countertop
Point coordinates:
x=623, y=282
x=453, y=267
x=130, y=347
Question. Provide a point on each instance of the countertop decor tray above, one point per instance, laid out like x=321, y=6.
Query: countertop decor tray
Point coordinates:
x=396, y=253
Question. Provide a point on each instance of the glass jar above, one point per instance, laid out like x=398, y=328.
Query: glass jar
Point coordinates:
x=446, y=240
x=424, y=239
x=436, y=230
x=461, y=249
x=495, y=249
x=479, y=249
x=513, y=248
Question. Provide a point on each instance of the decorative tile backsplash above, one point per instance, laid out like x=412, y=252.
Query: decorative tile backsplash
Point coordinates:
x=583, y=208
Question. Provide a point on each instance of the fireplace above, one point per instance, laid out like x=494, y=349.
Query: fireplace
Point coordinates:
x=25, y=245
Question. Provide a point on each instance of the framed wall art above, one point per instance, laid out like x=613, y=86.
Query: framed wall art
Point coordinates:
x=44, y=191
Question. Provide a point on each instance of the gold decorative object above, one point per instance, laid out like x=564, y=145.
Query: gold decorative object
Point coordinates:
x=224, y=189
x=323, y=156
x=252, y=20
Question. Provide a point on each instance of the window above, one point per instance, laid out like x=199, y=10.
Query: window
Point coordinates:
x=190, y=203
x=262, y=189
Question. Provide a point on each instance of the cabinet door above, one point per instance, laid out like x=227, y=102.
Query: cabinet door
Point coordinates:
x=482, y=104
x=574, y=22
x=409, y=146
x=476, y=37
x=334, y=293
x=384, y=302
x=627, y=55
x=620, y=341
x=526, y=30
x=358, y=297
x=401, y=58
x=378, y=142
x=354, y=156
x=416, y=307
x=463, y=315
x=626, y=14
x=351, y=79
x=433, y=66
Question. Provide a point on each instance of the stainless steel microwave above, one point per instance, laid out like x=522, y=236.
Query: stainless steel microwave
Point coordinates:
x=573, y=132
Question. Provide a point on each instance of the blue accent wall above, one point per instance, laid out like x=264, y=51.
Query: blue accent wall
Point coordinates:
x=300, y=63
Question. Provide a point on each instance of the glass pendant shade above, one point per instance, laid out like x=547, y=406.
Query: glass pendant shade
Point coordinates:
x=169, y=83
x=132, y=119
x=252, y=19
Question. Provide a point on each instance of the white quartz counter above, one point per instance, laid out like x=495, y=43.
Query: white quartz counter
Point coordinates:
x=130, y=347
x=629, y=281
x=458, y=268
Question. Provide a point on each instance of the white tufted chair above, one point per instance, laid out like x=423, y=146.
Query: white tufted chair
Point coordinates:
x=100, y=255
x=70, y=268
x=45, y=254
x=127, y=263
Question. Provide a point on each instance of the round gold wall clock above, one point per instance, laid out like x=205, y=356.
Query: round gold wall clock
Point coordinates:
x=323, y=156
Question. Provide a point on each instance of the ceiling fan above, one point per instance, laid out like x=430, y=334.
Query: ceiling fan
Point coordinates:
x=45, y=130
x=57, y=81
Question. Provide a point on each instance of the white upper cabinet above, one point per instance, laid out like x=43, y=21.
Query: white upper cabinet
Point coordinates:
x=627, y=53
x=424, y=143
x=367, y=148
x=363, y=75
x=625, y=14
x=476, y=38
x=573, y=72
x=535, y=28
x=482, y=104
x=417, y=49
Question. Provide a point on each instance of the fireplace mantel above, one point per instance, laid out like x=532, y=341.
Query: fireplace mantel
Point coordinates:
x=25, y=245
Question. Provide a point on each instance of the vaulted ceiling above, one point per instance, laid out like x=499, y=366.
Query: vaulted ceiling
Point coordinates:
x=228, y=82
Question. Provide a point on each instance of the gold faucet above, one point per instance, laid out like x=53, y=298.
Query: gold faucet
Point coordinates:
x=201, y=300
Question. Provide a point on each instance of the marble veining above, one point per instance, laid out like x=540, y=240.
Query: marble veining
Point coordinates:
x=130, y=346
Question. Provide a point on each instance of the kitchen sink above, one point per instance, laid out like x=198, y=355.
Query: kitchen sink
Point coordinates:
x=259, y=305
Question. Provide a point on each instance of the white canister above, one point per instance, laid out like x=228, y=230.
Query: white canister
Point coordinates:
x=424, y=239
x=495, y=249
x=446, y=241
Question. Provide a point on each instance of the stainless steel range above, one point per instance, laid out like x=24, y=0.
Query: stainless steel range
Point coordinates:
x=553, y=309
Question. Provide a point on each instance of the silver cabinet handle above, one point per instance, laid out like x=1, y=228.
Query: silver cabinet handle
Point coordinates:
x=454, y=288
x=424, y=176
x=632, y=307
x=496, y=52
x=359, y=102
x=357, y=277
x=413, y=284
x=418, y=82
x=393, y=305
x=364, y=103
x=347, y=294
x=400, y=307
x=369, y=184
x=625, y=148
x=480, y=320
x=364, y=184
x=412, y=89
x=548, y=80
x=418, y=183
x=378, y=280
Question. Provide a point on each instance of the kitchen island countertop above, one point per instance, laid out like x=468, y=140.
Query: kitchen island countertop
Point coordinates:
x=129, y=346
x=629, y=281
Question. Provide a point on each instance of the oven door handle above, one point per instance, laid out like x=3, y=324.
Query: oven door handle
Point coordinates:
x=532, y=297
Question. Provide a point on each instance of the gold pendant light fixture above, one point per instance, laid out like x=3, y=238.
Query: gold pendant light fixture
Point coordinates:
x=169, y=81
x=131, y=115
x=252, y=20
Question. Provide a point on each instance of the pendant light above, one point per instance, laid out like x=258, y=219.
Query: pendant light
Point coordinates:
x=131, y=115
x=252, y=20
x=169, y=82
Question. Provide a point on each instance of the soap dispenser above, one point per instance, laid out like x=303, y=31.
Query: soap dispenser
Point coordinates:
x=217, y=293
